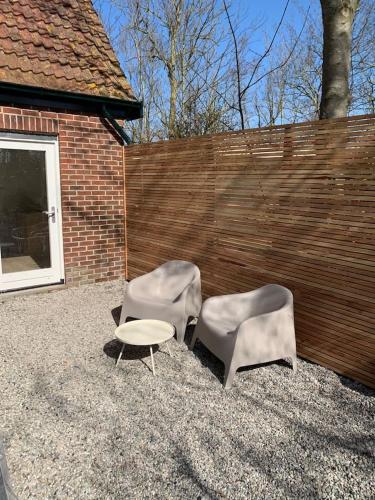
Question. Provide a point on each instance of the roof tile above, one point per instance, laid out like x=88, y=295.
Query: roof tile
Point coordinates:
x=59, y=44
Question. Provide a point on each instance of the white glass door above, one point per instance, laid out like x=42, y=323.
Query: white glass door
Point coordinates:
x=30, y=214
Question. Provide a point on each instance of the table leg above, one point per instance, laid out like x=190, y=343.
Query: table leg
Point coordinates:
x=122, y=350
x=169, y=351
x=152, y=361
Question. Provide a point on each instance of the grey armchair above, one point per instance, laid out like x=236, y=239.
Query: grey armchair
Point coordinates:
x=172, y=292
x=248, y=328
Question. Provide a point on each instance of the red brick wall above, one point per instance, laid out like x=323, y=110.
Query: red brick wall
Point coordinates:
x=91, y=190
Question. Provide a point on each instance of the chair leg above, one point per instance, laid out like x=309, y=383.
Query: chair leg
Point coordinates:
x=122, y=350
x=169, y=351
x=294, y=363
x=180, y=330
x=230, y=371
x=193, y=339
x=152, y=361
x=123, y=316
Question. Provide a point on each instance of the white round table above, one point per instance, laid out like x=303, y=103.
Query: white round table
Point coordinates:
x=144, y=332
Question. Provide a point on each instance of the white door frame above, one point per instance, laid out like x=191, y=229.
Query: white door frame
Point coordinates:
x=54, y=274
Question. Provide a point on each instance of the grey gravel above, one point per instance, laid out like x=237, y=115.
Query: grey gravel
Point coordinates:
x=76, y=427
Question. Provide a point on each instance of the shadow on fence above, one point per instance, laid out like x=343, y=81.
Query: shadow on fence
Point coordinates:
x=288, y=204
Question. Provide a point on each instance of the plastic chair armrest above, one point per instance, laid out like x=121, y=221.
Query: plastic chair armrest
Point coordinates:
x=250, y=325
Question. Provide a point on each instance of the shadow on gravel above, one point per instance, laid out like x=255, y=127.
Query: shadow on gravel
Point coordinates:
x=113, y=347
x=357, y=386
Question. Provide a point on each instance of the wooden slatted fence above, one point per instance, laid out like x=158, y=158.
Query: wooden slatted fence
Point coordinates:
x=293, y=204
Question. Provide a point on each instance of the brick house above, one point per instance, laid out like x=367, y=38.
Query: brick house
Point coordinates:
x=61, y=148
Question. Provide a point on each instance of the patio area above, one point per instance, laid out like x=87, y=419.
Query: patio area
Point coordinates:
x=74, y=426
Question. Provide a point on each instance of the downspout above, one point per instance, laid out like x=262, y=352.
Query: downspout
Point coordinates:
x=126, y=140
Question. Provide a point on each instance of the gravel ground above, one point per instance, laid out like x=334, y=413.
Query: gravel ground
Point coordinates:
x=74, y=427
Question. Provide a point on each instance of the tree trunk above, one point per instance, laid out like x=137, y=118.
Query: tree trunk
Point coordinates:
x=338, y=16
x=172, y=106
x=173, y=87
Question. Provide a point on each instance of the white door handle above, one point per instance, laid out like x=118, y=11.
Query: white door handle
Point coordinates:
x=51, y=214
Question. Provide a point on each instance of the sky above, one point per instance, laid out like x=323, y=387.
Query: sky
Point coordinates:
x=269, y=13
x=273, y=8
x=266, y=12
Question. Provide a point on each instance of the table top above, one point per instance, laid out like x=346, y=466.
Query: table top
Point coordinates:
x=144, y=332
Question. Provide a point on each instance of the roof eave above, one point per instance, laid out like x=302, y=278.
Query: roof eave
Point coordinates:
x=28, y=95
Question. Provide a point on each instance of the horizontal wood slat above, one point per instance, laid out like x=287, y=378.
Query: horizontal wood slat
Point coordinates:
x=291, y=204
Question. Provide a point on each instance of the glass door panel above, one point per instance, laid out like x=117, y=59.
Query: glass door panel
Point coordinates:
x=24, y=231
x=30, y=219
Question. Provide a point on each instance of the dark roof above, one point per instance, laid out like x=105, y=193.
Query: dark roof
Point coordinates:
x=61, y=45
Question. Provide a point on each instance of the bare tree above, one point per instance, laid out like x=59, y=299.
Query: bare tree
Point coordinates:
x=260, y=68
x=304, y=73
x=338, y=17
x=269, y=98
x=304, y=78
x=196, y=77
x=171, y=48
x=362, y=71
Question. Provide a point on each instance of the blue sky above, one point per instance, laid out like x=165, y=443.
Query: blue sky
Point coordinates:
x=272, y=9
x=267, y=11
x=270, y=12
